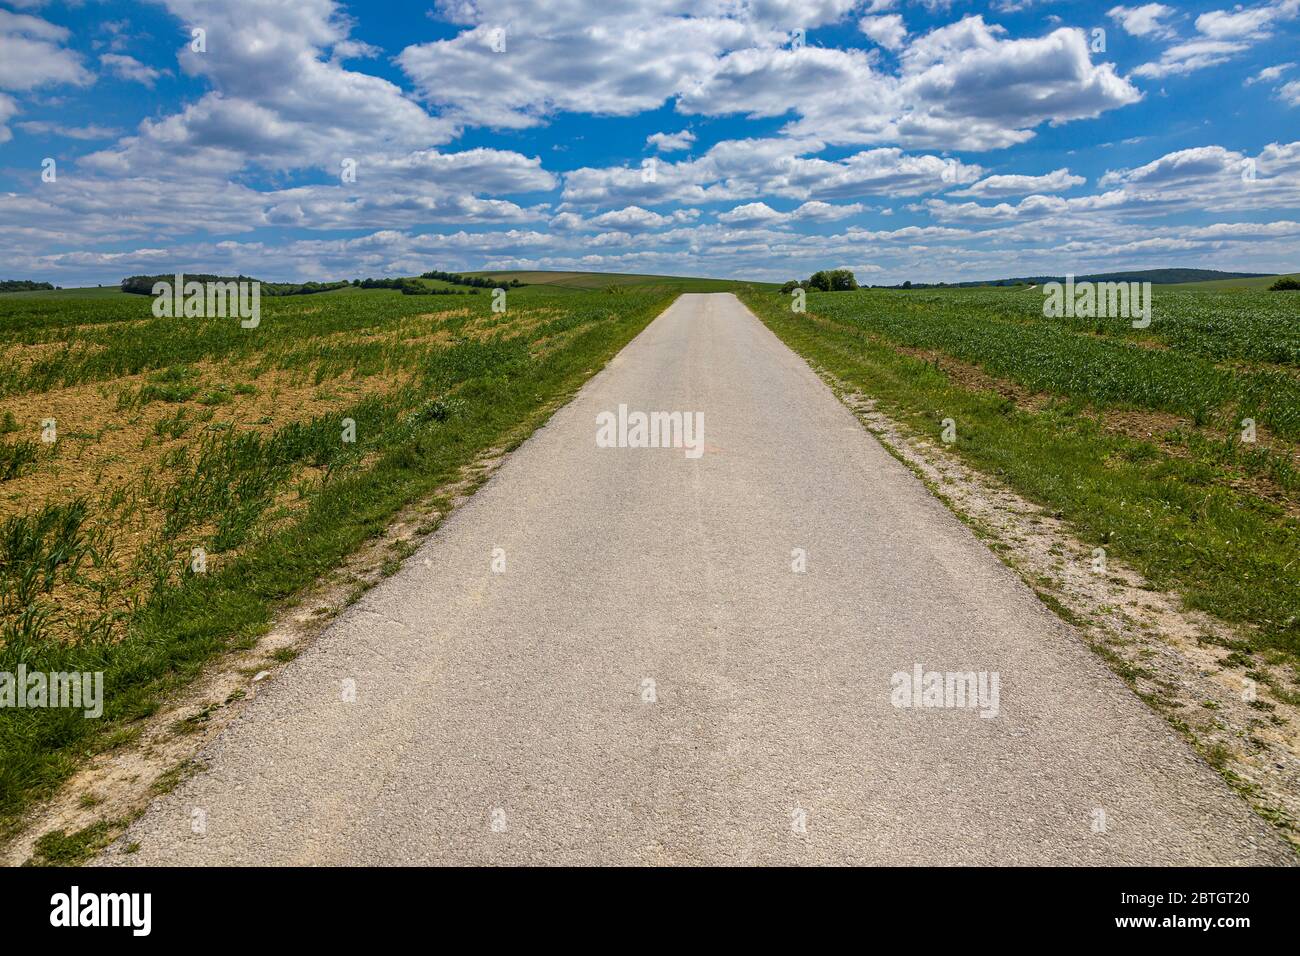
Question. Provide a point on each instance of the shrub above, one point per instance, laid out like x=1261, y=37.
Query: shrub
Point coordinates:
x=1284, y=285
x=825, y=280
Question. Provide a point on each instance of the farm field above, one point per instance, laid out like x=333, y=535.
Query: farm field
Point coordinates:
x=1132, y=435
x=167, y=483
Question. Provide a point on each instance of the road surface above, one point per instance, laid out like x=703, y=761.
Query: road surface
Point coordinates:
x=649, y=680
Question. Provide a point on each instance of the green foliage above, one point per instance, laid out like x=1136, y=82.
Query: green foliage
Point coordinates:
x=481, y=282
x=826, y=280
x=1100, y=360
x=1285, y=284
x=34, y=547
x=15, y=456
x=143, y=285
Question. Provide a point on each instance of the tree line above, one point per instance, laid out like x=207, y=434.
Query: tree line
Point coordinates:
x=826, y=280
x=410, y=287
x=143, y=285
x=481, y=282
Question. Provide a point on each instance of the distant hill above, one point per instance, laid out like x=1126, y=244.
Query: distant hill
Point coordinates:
x=1154, y=276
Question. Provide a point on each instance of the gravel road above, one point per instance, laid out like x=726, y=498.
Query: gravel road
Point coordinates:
x=651, y=680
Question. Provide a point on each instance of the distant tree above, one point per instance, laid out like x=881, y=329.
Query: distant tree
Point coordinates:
x=23, y=285
x=826, y=280
x=907, y=284
x=820, y=281
x=842, y=280
x=1284, y=285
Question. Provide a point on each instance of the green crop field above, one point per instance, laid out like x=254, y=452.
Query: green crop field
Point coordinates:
x=172, y=435
x=1135, y=436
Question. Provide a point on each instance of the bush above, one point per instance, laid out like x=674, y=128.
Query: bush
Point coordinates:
x=832, y=280
x=842, y=280
x=1284, y=285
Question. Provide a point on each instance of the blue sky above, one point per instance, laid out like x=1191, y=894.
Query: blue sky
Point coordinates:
x=905, y=139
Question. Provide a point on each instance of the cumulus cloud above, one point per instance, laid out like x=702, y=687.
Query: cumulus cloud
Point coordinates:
x=889, y=30
x=752, y=214
x=1144, y=21
x=32, y=54
x=129, y=68
x=965, y=85
x=1190, y=56
x=275, y=102
x=1018, y=185
x=1222, y=35
x=671, y=142
x=743, y=169
x=761, y=214
x=1239, y=24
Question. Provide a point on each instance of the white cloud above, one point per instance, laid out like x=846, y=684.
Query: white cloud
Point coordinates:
x=1223, y=35
x=752, y=214
x=32, y=55
x=1144, y=21
x=275, y=102
x=1250, y=23
x=961, y=86
x=129, y=68
x=620, y=62
x=50, y=128
x=761, y=214
x=966, y=86
x=1269, y=74
x=816, y=211
x=745, y=169
x=1017, y=185
x=1192, y=55
x=631, y=219
x=671, y=142
x=8, y=109
x=889, y=31
x=1290, y=93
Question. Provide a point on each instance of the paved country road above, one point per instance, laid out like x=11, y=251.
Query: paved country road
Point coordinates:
x=649, y=681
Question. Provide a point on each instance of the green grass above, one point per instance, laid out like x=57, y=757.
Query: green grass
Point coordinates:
x=275, y=500
x=1181, y=519
x=1209, y=354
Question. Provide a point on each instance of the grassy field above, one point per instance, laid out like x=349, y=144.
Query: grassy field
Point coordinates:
x=1133, y=436
x=1262, y=282
x=173, y=435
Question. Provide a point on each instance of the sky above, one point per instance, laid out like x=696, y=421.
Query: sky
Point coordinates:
x=930, y=140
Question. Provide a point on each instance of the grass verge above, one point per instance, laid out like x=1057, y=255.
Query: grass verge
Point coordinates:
x=1176, y=520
